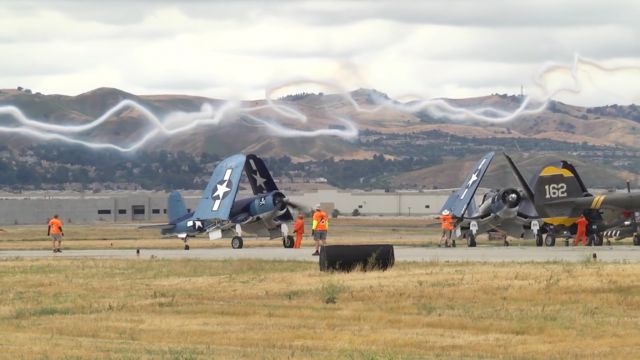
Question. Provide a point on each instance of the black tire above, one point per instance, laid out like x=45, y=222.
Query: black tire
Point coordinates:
x=550, y=240
x=236, y=242
x=471, y=240
x=186, y=246
x=539, y=240
x=598, y=240
x=591, y=241
x=288, y=242
x=636, y=240
x=453, y=243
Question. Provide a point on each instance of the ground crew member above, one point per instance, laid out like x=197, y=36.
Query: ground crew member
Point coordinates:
x=581, y=232
x=298, y=229
x=319, y=226
x=56, y=233
x=447, y=227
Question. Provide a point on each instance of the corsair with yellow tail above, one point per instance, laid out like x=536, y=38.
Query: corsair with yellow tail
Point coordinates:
x=560, y=197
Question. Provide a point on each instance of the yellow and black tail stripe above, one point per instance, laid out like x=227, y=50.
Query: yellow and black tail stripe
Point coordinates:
x=597, y=201
x=554, y=170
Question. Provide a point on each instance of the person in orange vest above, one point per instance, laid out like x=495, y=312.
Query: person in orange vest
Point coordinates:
x=447, y=227
x=319, y=227
x=581, y=232
x=56, y=233
x=298, y=229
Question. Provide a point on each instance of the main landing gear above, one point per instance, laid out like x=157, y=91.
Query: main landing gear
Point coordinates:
x=184, y=240
x=236, y=242
x=471, y=235
x=539, y=240
x=471, y=239
x=595, y=240
x=288, y=241
x=550, y=239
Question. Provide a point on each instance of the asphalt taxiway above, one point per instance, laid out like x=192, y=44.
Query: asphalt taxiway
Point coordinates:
x=402, y=253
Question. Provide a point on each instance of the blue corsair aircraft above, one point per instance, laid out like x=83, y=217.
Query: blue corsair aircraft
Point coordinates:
x=220, y=214
x=508, y=210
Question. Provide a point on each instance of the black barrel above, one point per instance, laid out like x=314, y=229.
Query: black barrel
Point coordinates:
x=356, y=257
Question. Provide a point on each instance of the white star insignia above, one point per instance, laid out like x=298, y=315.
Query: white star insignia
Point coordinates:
x=474, y=177
x=221, y=190
x=260, y=180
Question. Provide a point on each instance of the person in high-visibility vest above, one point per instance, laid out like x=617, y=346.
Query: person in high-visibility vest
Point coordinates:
x=581, y=232
x=298, y=229
x=56, y=233
x=447, y=227
x=319, y=227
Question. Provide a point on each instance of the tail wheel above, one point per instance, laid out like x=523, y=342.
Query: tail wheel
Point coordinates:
x=539, y=240
x=471, y=240
x=288, y=241
x=236, y=242
x=186, y=246
x=636, y=239
x=550, y=240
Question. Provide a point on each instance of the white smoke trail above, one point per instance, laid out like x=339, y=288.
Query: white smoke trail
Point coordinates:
x=209, y=115
x=444, y=109
x=173, y=124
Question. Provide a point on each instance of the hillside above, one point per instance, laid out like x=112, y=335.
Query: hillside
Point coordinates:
x=438, y=149
x=499, y=174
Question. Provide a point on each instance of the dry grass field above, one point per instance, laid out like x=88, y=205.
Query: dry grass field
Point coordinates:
x=188, y=309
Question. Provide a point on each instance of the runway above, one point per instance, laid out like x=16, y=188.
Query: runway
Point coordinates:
x=402, y=253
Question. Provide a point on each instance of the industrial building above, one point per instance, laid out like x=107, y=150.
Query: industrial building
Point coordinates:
x=124, y=207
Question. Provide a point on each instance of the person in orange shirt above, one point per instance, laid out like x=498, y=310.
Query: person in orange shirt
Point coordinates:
x=298, y=229
x=319, y=226
x=56, y=233
x=581, y=232
x=447, y=227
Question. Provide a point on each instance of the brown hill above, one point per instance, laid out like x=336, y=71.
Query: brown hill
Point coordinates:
x=499, y=175
x=559, y=122
x=617, y=127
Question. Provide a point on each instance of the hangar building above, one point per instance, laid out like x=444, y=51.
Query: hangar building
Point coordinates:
x=147, y=206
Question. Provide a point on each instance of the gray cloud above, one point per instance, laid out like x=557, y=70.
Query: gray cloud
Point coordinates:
x=236, y=48
x=488, y=13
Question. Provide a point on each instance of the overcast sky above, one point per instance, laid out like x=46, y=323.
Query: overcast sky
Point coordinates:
x=237, y=49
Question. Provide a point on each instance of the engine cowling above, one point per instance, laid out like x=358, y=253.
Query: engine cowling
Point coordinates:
x=267, y=203
x=506, y=202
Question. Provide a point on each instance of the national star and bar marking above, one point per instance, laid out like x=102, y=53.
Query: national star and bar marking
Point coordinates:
x=221, y=190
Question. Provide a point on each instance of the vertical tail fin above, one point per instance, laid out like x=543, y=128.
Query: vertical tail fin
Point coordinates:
x=557, y=181
x=175, y=207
